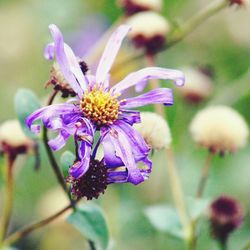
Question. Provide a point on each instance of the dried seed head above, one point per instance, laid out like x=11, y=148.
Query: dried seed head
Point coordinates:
x=154, y=129
x=198, y=85
x=13, y=140
x=225, y=215
x=59, y=82
x=220, y=129
x=92, y=183
x=131, y=7
x=149, y=30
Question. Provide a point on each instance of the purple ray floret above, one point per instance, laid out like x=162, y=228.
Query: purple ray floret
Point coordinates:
x=99, y=107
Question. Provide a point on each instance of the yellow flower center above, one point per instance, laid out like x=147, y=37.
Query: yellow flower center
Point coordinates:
x=99, y=106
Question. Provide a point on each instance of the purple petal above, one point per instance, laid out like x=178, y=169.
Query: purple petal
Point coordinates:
x=147, y=74
x=47, y=113
x=49, y=51
x=110, y=53
x=130, y=116
x=60, y=141
x=141, y=86
x=124, y=151
x=67, y=61
x=160, y=95
x=81, y=167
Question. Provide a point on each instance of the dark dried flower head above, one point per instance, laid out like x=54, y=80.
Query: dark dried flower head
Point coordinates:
x=132, y=7
x=92, y=183
x=225, y=215
x=59, y=82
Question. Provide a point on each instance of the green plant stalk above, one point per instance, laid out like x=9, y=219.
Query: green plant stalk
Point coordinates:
x=184, y=30
x=51, y=157
x=29, y=229
x=8, y=197
x=199, y=194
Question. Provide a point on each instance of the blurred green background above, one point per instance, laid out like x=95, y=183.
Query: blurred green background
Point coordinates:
x=223, y=42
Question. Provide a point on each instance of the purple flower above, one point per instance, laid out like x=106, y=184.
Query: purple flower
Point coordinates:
x=97, y=107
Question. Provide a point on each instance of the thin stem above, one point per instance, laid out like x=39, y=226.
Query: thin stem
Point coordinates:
x=154, y=84
x=29, y=229
x=91, y=245
x=199, y=194
x=181, y=32
x=51, y=157
x=8, y=198
x=177, y=189
x=204, y=176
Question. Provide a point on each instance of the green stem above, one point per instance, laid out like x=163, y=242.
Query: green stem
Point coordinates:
x=195, y=21
x=8, y=198
x=181, y=32
x=29, y=229
x=51, y=157
x=199, y=194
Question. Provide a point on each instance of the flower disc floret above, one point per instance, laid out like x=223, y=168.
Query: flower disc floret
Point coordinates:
x=100, y=107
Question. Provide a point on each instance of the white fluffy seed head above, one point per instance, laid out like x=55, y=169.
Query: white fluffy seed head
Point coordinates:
x=220, y=129
x=154, y=129
x=12, y=134
x=198, y=86
x=133, y=6
x=148, y=24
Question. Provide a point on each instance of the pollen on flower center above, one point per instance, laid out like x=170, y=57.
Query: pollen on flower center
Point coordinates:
x=99, y=106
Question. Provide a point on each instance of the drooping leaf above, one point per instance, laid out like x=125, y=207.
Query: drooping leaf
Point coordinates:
x=89, y=219
x=165, y=219
x=25, y=103
x=67, y=159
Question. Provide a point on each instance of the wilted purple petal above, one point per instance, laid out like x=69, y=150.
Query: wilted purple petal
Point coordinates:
x=52, y=110
x=147, y=74
x=110, y=53
x=60, y=141
x=160, y=95
x=130, y=116
x=64, y=62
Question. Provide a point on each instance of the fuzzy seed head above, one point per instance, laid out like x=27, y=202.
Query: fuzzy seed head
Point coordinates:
x=198, y=86
x=12, y=135
x=154, y=129
x=220, y=129
x=100, y=107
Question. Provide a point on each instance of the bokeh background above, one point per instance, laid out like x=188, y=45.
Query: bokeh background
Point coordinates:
x=223, y=42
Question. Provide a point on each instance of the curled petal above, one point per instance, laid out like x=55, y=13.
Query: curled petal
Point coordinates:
x=81, y=167
x=130, y=116
x=67, y=61
x=47, y=113
x=147, y=74
x=110, y=53
x=60, y=141
x=160, y=95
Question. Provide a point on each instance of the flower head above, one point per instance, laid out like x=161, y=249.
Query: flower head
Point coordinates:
x=226, y=215
x=152, y=36
x=220, y=129
x=99, y=107
x=154, y=129
x=131, y=7
x=13, y=141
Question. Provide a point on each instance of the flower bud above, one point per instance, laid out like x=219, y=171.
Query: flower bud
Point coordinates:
x=225, y=215
x=131, y=7
x=198, y=85
x=13, y=141
x=149, y=30
x=220, y=129
x=154, y=129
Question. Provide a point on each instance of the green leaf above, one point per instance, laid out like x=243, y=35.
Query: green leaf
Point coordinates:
x=67, y=159
x=165, y=219
x=26, y=102
x=90, y=221
x=197, y=207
